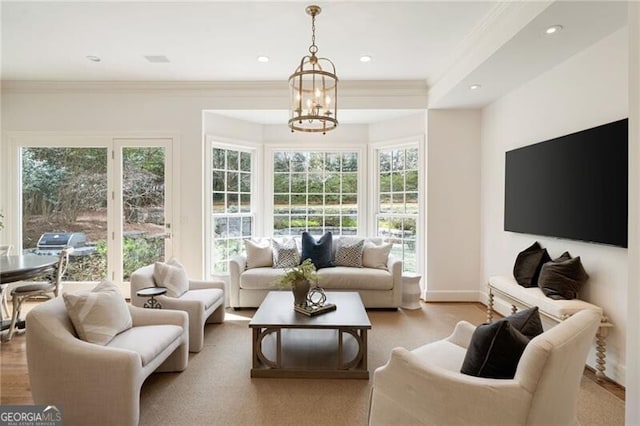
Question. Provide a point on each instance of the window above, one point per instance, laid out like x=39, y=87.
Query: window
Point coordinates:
x=231, y=210
x=315, y=192
x=397, y=204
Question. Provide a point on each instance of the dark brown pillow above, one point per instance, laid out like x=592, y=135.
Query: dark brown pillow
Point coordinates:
x=528, y=264
x=527, y=322
x=562, y=279
x=494, y=351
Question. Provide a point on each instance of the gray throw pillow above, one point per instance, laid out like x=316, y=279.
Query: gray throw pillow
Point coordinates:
x=349, y=252
x=285, y=253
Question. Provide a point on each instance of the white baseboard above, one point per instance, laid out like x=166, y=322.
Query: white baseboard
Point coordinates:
x=452, y=296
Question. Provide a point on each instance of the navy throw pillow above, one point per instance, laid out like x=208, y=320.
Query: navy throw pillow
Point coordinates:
x=320, y=252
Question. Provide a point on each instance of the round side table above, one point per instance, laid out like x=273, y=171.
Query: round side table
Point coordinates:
x=151, y=293
x=410, y=290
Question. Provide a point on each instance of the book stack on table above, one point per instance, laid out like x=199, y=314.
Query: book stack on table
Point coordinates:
x=315, y=310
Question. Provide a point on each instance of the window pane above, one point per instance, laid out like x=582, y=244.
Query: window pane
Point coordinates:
x=349, y=162
x=397, y=181
x=232, y=181
x=281, y=183
x=299, y=162
x=245, y=161
x=247, y=226
x=235, y=226
x=218, y=180
x=245, y=203
x=245, y=182
x=349, y=182
x=280, y=162
x=299, y=183
x=412, y=159
x=233, y=205
x=332, y=162
x=316, y=183
x=218, y=158
x=233, y=160
x=220, y=229
x=385, y=182
x=384, y=164
x=384, y=205
x=397, y=160
x=332, y=184
x=411, y=180
x=218, y=202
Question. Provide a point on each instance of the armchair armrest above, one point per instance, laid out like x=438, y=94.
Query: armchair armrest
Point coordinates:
x=410, y=390
x=237, y=265
x=142, y=316
x=203, y=284
x=461, y=335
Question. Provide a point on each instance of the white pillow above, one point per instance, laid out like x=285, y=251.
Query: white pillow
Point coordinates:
x=258, y=254
x=98, y=315
x=375, y=256
x=172, y=276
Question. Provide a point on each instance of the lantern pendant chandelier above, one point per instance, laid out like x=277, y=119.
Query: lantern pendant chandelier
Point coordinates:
x=313, y=89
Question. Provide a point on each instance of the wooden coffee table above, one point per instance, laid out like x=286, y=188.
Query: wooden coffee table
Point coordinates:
x=290, y=344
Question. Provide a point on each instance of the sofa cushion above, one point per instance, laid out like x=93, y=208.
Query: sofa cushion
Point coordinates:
x=376, y=256
x=528, y=264
x=258, y=253
x=260, y=278
x=98, y=315
x=320, y=252
x=171, y=275
x=285, y=253
x=562, y=278
x=343, y=277
x=208, y=296
x=148, y=341
x=494, y=351
x=349, y=252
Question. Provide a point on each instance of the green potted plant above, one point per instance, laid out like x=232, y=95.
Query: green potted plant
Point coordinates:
x=299, y=279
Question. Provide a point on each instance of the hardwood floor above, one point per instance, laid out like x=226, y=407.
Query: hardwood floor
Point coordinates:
x=14, y=376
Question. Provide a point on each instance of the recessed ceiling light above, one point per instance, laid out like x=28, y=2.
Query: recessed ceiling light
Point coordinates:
x=553, y=29
x=94, y=58
x=475, y=86
x=157, y=59
x=263, y=59
x=365, y=58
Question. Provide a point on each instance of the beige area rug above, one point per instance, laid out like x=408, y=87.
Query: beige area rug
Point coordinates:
x=216, y=388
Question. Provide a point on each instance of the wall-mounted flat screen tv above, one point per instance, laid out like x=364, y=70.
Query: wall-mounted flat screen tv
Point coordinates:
x=573, y=187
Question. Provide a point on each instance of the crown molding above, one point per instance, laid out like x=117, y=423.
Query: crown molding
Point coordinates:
x=352, y=94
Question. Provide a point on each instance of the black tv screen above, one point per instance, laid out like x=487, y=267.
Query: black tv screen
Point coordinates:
x=573, y=187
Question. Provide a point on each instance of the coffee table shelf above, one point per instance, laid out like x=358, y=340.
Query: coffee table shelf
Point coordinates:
x=289, y=344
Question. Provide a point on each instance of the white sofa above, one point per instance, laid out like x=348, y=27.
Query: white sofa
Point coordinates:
x=95, y=384
x=378, y=288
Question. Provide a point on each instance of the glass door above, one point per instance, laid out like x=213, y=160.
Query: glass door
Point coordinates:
x=142, y=196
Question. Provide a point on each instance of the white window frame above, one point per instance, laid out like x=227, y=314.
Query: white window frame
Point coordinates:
x=255, y=149
x=404, y=143
x=363, y=222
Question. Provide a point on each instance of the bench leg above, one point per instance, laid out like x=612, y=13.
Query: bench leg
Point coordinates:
x=490, y=307
x=601, y=352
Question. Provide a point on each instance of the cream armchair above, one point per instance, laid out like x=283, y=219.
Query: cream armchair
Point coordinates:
x=95, y=384
x=204, y=302
x=425, y=386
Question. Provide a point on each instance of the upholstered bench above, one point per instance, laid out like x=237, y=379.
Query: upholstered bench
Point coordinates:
x=507, y=288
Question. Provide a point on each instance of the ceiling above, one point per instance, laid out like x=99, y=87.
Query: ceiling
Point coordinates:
x=220, y=41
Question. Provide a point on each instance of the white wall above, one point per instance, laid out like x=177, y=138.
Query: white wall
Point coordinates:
x=587, y=90
x=453, y=205
x=633, y=294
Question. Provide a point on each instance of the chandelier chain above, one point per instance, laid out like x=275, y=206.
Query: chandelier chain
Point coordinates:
x=313, y=49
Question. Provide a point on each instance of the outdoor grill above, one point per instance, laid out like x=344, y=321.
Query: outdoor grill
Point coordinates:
x=51, y=243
